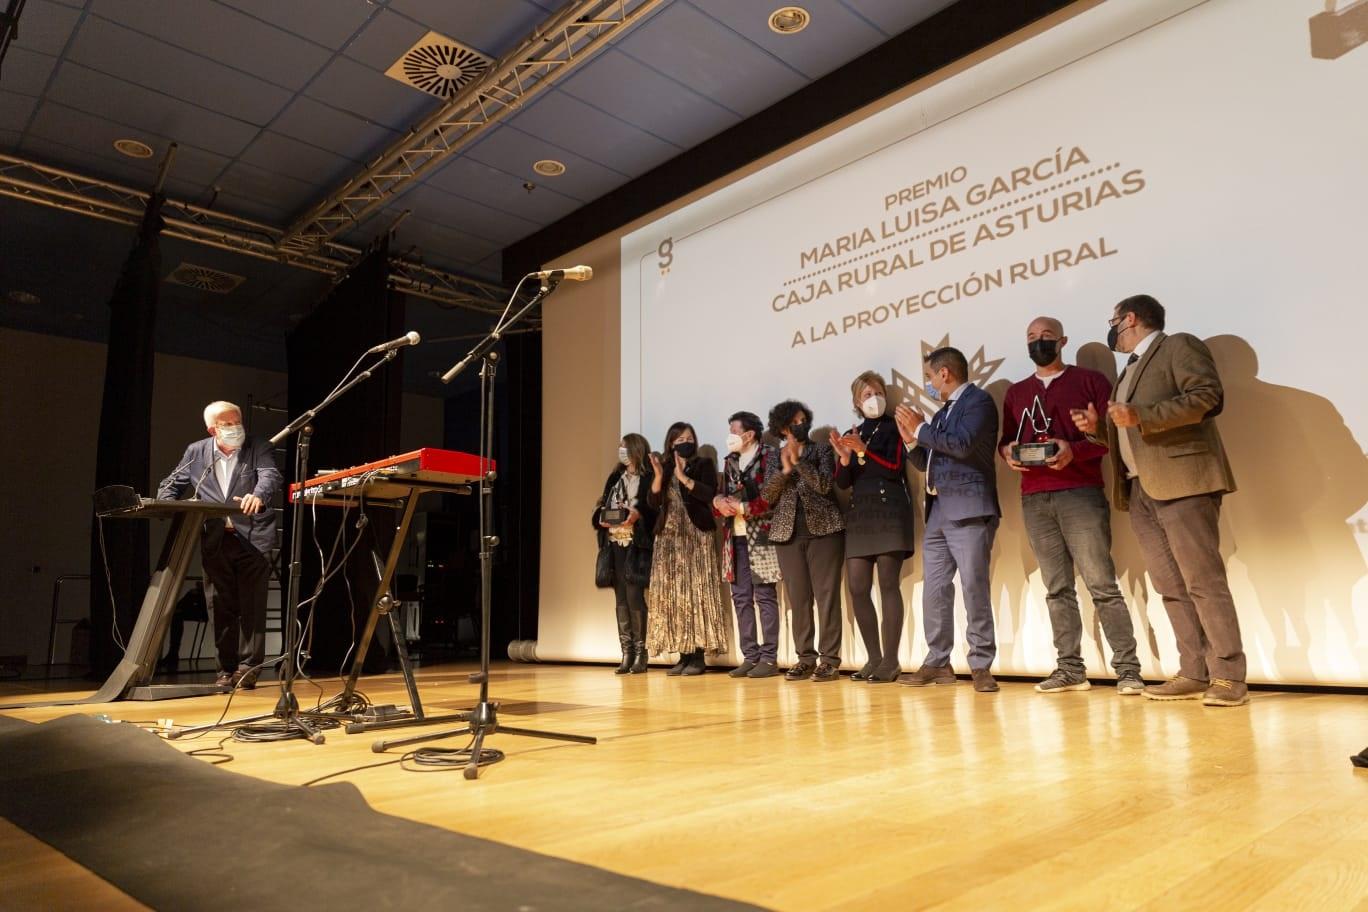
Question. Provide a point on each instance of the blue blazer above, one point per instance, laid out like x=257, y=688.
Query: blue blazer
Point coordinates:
x=962, y=457
x=255, y=473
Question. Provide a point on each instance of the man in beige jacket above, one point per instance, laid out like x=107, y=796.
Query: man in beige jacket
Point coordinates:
x=1170, y=472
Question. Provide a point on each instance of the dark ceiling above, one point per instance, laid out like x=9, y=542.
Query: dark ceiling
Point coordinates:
x=273, y=103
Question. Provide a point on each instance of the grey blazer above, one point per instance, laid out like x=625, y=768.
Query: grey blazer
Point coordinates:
x=255, y=473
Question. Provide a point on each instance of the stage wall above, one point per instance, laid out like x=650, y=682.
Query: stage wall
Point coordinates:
x=1196, y=151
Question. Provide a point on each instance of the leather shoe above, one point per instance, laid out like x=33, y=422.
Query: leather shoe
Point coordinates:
x=696, y=664
x=799, y=672
x=740, y=671
x=244, y=679
x=826, y=672
x=928, y=674
x=865, y=671
x=763, y=670
x=983, y=680
x=1177, y=688
x=1226, y=693
x=886, y=673
x=224, y=679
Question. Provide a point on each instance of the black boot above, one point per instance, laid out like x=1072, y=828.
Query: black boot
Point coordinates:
x=696, y=664
x=678, y=667
x=628, y=654
x=642, y=663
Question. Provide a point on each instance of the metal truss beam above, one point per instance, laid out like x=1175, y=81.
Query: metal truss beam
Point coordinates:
x=111, y=202
x=558, y=46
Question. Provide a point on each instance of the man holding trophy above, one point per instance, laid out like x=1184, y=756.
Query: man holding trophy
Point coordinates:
x=1064, y=506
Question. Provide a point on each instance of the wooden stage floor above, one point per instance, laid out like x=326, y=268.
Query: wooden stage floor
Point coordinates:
x=855, y=796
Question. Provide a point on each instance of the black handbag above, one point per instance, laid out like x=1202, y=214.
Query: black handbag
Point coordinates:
x=603, y=567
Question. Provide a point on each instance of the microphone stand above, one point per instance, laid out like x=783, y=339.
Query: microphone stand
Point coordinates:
x=483, y=720
x=295, y=724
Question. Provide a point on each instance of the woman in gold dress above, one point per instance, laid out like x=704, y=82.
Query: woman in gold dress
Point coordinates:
x=686, y=612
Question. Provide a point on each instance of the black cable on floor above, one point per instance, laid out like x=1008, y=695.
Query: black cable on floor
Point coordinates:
x=437, y=759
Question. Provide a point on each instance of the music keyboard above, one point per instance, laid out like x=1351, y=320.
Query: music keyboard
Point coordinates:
x=393, y=479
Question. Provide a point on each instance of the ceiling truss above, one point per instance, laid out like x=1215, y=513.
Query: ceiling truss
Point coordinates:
x=111, y=202
x=568, y=38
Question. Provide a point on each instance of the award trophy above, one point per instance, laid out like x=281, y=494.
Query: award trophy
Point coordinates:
x=1040, y=450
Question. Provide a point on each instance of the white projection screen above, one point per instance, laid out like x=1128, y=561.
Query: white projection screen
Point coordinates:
x=1208, y=153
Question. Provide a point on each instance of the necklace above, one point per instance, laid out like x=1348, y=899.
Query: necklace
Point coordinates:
x=860, y=455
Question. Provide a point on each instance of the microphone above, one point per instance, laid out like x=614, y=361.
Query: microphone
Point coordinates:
x=408, y=338
x=574, y=274
x=205, y=474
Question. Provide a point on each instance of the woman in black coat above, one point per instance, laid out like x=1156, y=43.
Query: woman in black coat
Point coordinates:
x=686, y=614
x=879, y=526
x=625, y=523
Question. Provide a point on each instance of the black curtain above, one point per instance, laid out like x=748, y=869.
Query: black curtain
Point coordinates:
x=517, y=493
x=360, y=427
x=123, y=447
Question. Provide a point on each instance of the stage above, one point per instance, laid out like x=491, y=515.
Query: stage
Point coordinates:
x=845, y=795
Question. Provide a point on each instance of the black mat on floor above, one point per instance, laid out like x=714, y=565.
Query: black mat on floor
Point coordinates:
x=176, y=833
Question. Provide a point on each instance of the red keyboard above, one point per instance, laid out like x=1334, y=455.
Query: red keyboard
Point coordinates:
x=428, y=469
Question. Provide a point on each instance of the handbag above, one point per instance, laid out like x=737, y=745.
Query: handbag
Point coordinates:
x=603, y=567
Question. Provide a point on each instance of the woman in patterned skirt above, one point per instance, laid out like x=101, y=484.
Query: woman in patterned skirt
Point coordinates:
x=879, y=525
x=686, y=611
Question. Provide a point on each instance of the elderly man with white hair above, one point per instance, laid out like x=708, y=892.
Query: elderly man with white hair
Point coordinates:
x=231, y=468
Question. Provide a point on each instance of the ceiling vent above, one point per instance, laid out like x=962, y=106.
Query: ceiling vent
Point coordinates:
x=204, y=278
x=439, y=66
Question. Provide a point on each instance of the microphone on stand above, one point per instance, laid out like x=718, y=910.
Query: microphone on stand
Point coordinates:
x=574, y=274
x=205, y=474
x=408, y=338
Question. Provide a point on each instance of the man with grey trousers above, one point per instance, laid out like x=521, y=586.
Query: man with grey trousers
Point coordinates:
x=1068, y=522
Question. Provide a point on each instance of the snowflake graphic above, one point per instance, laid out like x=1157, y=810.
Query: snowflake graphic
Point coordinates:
x=981, y=370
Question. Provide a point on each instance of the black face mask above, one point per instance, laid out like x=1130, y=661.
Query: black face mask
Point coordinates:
x=1112, y=333
x=799, y=431
x=686, y=450
x=1043, y=351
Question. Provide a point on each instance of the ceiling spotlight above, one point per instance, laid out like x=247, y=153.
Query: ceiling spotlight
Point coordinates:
x=789, y=20
x=133, y=148
x=549, y=167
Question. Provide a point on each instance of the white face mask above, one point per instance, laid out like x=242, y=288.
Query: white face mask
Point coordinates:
x=874, y=406
x=623, y=456
x=734, y=443
x=231, y=436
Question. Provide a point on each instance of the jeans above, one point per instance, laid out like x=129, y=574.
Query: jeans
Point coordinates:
x=1070, y=532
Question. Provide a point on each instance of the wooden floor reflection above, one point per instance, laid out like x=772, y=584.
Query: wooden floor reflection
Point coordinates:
x=856, y=796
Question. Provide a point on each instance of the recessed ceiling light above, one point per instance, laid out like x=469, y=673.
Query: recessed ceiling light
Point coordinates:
x=788, y=20
x=549, y=167
x=133, y=148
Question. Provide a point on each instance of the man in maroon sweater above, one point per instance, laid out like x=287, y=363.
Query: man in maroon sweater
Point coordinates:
x=1064, y=507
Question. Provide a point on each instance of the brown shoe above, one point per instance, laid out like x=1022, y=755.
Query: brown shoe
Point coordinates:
x=1225, y=693
x=928, y=674
x=1177, y=688
x=224, y=679
x=983, y=681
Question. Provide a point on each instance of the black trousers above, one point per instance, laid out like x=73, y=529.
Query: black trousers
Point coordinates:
x=812, y=572
x=236, y=577
x=631, y=601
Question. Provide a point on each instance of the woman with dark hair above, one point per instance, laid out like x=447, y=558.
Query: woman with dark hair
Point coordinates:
x=685, y=609
x=806, y=526
x=625, y=522
x=879, y=525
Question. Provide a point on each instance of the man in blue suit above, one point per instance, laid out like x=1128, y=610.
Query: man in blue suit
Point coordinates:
x=954, y=449
x=231, y=468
